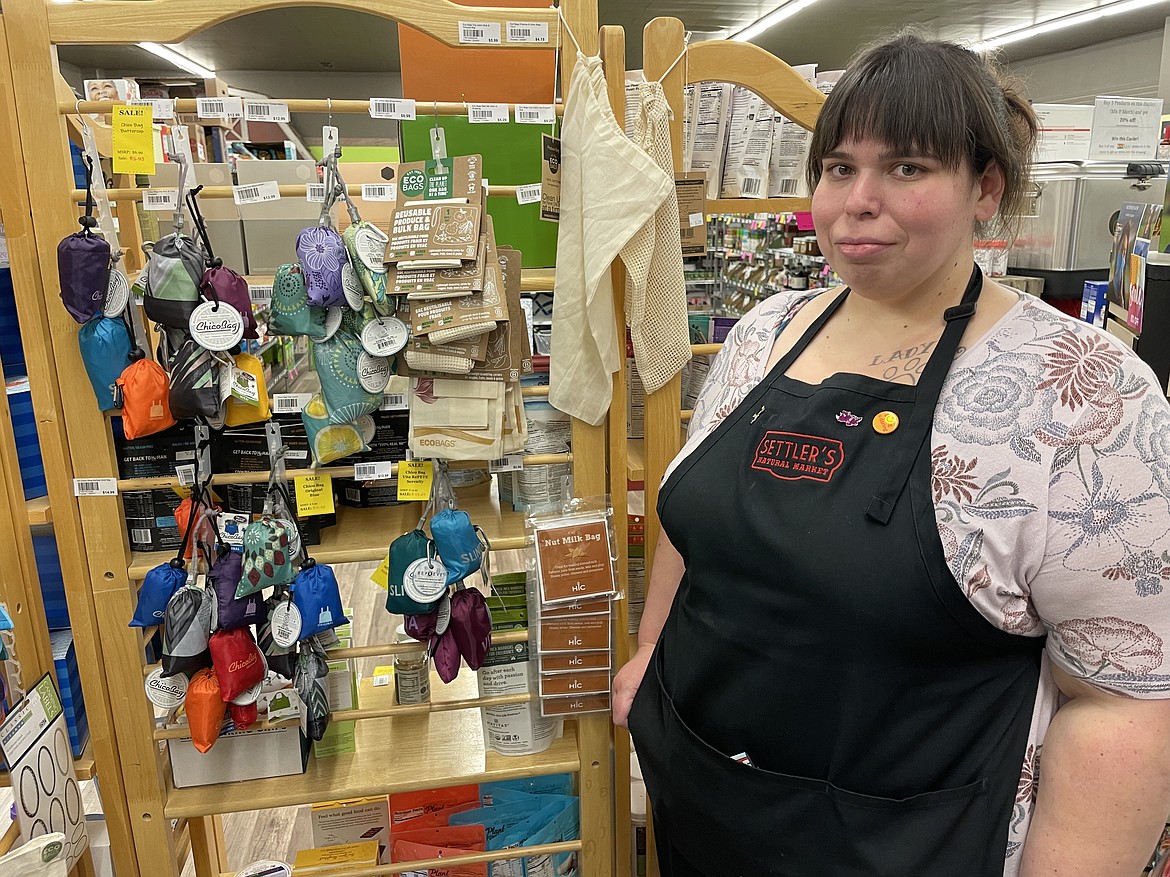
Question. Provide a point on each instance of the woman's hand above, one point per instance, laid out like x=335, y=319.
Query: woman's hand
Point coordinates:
x=625, y=684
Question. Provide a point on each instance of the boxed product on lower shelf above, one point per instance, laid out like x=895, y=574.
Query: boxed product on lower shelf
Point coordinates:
x=241, y=755
x=326, y=860
x=150, y=514
x=52, y=580
x=357, y=820
x=69, y=684
x=24, y=428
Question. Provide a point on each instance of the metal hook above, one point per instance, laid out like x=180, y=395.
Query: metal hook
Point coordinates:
x=329, y=111
x=81, y=116
x=436, y=105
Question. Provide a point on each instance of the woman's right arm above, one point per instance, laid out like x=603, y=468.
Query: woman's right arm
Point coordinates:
x=665, y=576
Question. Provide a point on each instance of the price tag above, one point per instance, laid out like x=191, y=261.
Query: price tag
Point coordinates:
x=414, y=480
x=166, y=200
x=401, y=108
x=384, y=336
x=382, y=471
x=315, y=192
x=370, y=243
x=484, y=33
x=697, y=220
x=510, y=463
x=528, y=194
x=132, y=138
x=117, y=294
x=536, y=114
x=425, y=580
x=261, y=295
x=394, y=402
x=290, y=403
x=219, y=107
x=381, y=576
x=216, y=326
x=379, y=192
x=166, y=692
x=186, y=474
x=265, y=111
x=382, y=676
x=373, y=372
x=256, y=193
x=109, y=487
x=487, y=113
x=314, y=494
x=161, y=108
x=245, y=388
x=286, y=624
x=528, y=31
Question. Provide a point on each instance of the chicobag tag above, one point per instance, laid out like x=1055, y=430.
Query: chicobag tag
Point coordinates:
x=317, y=597
x=105, y=349
x=84, y=261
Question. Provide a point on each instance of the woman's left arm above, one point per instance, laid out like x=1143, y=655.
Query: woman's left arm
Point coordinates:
x=1104, y=791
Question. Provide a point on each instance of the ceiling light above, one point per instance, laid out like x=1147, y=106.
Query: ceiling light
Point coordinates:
x=180, y=61
x=770, y=20
x=1061, y=22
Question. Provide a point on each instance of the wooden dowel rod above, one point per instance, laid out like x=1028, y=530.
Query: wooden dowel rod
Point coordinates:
x=538, y=390
x=510, y=637
x=184, y=731
x=189, y=105
x=292, y=190
x=705, y=349
x=686, y=415
x=442, y=706
x=448, y=862
x=10, y=838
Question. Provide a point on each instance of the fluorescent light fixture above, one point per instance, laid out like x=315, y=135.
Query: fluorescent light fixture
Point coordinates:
x=180, y=61
x=1063, y=21
x=770, y=20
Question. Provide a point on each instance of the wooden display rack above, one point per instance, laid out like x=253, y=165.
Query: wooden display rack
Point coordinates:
x=149, y=819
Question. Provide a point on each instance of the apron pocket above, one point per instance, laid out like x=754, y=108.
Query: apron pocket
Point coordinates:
x=727, y=818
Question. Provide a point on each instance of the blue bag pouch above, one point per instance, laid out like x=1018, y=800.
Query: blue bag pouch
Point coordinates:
x=316, y=595
x=106, y=351
x=460, y=544
x=158, y=587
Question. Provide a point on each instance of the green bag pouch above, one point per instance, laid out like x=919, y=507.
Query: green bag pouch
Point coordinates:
x=173, y=270
x=366, y=245
x=330, y=441
x=291, y=312
x=336, y=363
x=404, y=551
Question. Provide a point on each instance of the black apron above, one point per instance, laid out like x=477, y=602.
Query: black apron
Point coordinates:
x=818, y=630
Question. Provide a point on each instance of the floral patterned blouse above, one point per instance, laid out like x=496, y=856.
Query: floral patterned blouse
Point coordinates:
x=1051, y=481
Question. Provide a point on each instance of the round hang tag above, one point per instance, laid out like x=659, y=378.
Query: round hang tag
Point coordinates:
x=333, y=318
x=216, y=326
x=370, y=243
x=373, y=372
x=425, y=580
x=250, y=696
x=117, y=294
x=384, y=336
x=443, y=616
x=166, y=692
x=351, y=285
x=266, y=868
x=286, y=624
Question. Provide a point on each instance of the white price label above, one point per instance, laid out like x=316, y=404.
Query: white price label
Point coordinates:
x=261, y=295
x=219, y=107
x=257, y=193
x=536, y=114
x=373, y=471
x=485, y=33
x=394, y=402
x=529, y=194
x=265, y=111
x=95, y=486
x=379, y=191
x=528, y=31
x=315, y=192
x=290, y=403
x=510, y=463
x=166, y=200
x=401, y=108
x=697, y=220
x=161, y=108
x=186, y=474
x=487, y=113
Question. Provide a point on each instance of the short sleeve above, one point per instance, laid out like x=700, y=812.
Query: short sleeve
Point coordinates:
x=1103, y=589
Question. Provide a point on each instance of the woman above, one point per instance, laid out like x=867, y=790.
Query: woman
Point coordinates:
x=918, y=532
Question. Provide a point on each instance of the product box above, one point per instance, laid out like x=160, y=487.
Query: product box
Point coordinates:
x=366, y=494
x=441, y=231
x=355, y=821
x=241, y=755
x=155, y=456
x=52, y=580
x=150, y=519
x=749, y=146
x=271, y=228
x=342, y=682
x=327, y=859
x=69, y=684
x=1094, y=302
x=28, y=446
x=245, y=448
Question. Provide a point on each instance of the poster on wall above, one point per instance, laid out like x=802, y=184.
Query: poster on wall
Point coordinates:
x=1126, y=129
x=1065, y=131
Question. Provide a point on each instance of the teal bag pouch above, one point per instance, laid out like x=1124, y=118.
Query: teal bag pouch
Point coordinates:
x=105, y=349
x=291, y=313
x=336, y=363
x=404, y=551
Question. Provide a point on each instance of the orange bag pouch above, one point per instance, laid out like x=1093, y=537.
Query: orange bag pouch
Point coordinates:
x=205, y=709
x=144, y=393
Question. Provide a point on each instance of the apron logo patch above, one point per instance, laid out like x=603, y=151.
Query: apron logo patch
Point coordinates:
x=791, y=456
x=848, y=418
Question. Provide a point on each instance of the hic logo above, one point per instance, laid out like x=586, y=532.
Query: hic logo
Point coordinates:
x=791, y=456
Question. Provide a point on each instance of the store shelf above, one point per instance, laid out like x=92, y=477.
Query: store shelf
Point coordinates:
x=39, y=512
x=82, y=766
x=393, y=755
x=531, y=279
x=759, y=205
x=365, y=534
x=635, y=462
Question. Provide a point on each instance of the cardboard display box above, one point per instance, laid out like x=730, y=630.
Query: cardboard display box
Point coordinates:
x=240, y=755
x=357, y=820
x=271, y=228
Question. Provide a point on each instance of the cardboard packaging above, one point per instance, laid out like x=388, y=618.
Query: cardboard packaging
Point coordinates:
x=354, y=821
x=710, y=137
x=1094, y=302
x=241, y=755
x=325, y=860
x=69, y=684
x=749, y=146
x=271, y=228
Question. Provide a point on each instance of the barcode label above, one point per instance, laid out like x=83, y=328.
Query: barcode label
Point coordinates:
x=373, y=471
x=510, y=463
x=485, y=33
x=487, y=113
x=394, y=402
x=750, y=187
x=257, y=193
x=186, y=474
x=378, y=192
x=95, y=486
x=536, y=114
x=219, y=107
x=789, y=187
x=289, y=403
x=315, y=192
x=260, y=295
x=140, y=536
x=696, y=220
x=161, y=108
x=161, y=199
x=529, y=194
x=527, y=31
x=297, y=455
x=401, y=108
x=265, y=111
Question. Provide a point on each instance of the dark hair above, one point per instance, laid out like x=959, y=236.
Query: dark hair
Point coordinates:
x=937, y=98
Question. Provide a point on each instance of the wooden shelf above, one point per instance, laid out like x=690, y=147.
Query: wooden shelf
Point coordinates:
x=635, y=461
x=393, y=755
x=531, y=279
x=39, y=512
x=759, y=205
x=82, y=766
x=365, y=534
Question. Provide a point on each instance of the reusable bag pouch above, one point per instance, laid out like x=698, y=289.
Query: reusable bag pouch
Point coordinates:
x=309, y=681
x=159, y=585
x=84, y=262
x=317, y=597
x=336, y=363
x=322, y=253
x=142, y=391
x=239, y=412
x=404, y=551
x=332, y=441
x=291, y=313
x=194, y=377
x=460, y=544
x=105, y=349
x=174, y=269
x=272, y=542
x=219, y=283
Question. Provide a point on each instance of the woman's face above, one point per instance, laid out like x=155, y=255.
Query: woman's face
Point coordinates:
x=892, y=224
x=104, y=90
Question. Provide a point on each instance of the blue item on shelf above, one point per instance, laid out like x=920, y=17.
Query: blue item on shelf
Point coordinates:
x=11, y=348
x=28, y=446
x=52, y=580
x=69, y=684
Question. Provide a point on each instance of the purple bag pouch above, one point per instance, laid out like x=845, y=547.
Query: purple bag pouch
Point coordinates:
x=446, y=654
x=471, y=626
x=231, y=613
x=322, y=254
x=421, y=627
x=224, y=284
x=83, y=266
